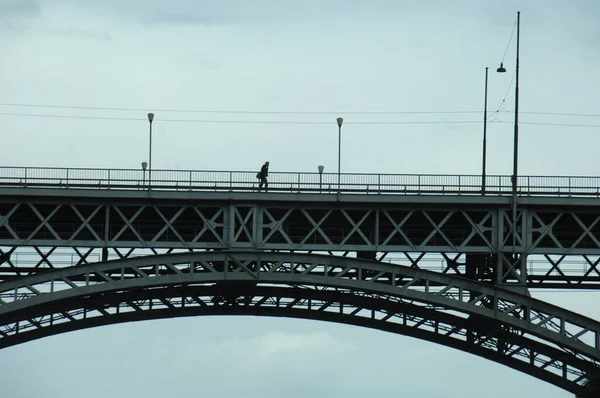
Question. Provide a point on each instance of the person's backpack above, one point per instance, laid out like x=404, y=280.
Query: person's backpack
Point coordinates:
x=258, y=175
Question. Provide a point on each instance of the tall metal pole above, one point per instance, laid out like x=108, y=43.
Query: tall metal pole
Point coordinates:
x=150, y=156
x=484, y=133
x=516, y=135
x=150, y=119
x=516, y=139
x=339, y=122
x=339, y=155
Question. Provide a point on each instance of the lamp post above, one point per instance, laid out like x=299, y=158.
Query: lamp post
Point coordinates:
x=144, y=166
x=339, y=123
x=484, y=133
x=321, y=168
x=150, y=119
x=502, y=69
x=515, y=174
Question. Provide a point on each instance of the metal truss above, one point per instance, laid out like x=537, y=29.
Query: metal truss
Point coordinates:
x=254, y=225
x=479, y=230
x=294, y=226
x=529, y=335
x=549, y=272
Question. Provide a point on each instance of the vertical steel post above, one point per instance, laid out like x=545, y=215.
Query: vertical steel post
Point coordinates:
x=339, y=154
x=484, y=133
x=339, y=123
x=516, y=142
x=150, y=158
x=150, y=119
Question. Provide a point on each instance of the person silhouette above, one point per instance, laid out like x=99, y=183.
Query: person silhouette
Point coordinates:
x=263, y=174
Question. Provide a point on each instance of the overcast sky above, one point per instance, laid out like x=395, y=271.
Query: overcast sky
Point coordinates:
x=336, y=57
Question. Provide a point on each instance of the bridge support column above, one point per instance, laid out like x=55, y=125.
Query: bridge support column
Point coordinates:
x=512, y=237
x=229, y=226
x=480, y=266
x=511, y=272
x=106, y=232
x=366, y=255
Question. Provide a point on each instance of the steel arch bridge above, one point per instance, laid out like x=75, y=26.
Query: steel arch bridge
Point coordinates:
x=71, y=241
x=542, y=340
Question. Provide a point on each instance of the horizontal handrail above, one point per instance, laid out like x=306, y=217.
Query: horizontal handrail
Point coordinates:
x=297, y=182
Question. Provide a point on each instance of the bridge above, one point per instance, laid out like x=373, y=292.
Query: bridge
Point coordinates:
x=435, y=257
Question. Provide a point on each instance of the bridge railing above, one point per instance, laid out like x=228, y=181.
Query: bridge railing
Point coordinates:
x=214, y=180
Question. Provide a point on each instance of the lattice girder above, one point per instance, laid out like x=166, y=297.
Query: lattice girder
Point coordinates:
x=547, y=272
x=284, y=222
x=225, y=224
x=565, y=231
x=550, y=342
x=397, y=225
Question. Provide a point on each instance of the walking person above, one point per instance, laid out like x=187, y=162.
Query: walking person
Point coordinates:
x=263, y=174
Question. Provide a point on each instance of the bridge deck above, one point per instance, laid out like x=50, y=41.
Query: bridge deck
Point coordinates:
x=306, y=182
x=116, y=213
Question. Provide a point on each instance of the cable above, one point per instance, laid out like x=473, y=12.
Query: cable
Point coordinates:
x=234, y=121
x=239, y=111
x=304, y=112
x=361, y=122
x=551, y=124
x=560, y=114
x=506, y=93
x=509, y=41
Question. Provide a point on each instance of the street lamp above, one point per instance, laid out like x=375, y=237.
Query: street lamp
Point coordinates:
x=515, y=174
x=144, y=166
x=321, y=168
x=339, y=123
x=502, y=69
x=484, y=133
x=150, y=119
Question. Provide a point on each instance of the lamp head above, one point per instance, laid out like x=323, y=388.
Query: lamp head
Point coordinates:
x=501, y=69
x=321, y=168
x=340, y=121
x=150, y=117
x=144, y=165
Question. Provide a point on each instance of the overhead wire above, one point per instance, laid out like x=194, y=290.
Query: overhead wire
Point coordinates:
x=499, y=109
x=511, y=80
x=225, y=111
x=300, y=122
x=509, y=41
x=237, y=111
x=552, y=124
x=238, y=121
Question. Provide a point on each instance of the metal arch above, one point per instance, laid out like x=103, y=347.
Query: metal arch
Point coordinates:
x=332, y=306
x=529, y=335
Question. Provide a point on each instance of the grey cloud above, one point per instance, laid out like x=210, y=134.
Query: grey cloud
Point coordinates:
x=197, y=12
x=80, y=33
x=70, y=32
x=18, y=8
x=182, y=18
x=236, y=12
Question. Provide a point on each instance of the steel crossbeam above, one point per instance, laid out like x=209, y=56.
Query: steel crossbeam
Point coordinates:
x=471, y=236
x=534, y=337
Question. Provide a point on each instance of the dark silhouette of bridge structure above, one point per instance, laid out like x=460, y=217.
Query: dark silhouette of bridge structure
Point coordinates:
x=429, y=256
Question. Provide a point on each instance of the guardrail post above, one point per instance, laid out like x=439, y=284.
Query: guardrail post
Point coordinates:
x=459, y=190
x=108, y=182
x=67, y=182
x=379, y=183
x=231, y=181
x=190, y=180
x=298, y=182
